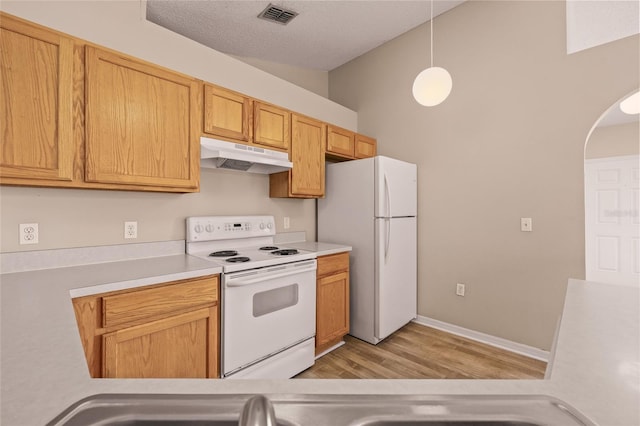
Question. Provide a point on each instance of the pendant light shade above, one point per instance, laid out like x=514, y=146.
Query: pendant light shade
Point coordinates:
x=432, y=86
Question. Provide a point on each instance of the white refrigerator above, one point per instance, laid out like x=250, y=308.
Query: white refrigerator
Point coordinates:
x=371, y=205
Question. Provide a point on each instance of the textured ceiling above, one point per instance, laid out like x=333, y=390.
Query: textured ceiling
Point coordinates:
x=325, y=34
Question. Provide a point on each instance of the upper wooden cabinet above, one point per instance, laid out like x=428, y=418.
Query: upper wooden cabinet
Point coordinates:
x=36, y=116
x=235, y=117
x=365, y=146
x=306, y=178
x=340, y=142
x=343, y=144
x=76, y=116
x=272, y=126
x=227, y=114
x=142, y=123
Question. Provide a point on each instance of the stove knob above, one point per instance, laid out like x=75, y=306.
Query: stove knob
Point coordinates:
x=198, y=228
x=261, y=225
x=209, y=228
x=269, y=225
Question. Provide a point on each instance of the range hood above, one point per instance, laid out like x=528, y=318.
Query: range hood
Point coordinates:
x=218, y=154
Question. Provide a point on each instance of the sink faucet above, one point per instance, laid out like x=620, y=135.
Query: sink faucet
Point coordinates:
x=257, y=411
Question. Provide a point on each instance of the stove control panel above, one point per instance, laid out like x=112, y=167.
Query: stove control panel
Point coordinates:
x=213, y=228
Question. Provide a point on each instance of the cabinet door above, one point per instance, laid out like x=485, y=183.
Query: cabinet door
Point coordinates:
x=36, y=117
x=332, y=315
x=307, y=156
x=142, y=123
x=182, y=346
x=227, y=114
x=340, y=142
x=272, y=126
x=365, y=147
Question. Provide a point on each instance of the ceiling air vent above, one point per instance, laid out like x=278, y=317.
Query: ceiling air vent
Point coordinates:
x=277, y=14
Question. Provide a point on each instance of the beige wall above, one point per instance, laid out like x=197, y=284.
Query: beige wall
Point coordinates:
x=315, y=81
x=613, y=141
x=80, y=218
x=507, y=143
x=75, y=218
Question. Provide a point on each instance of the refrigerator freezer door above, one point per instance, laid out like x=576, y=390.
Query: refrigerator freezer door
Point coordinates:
x=396, y=277
x=396, y=188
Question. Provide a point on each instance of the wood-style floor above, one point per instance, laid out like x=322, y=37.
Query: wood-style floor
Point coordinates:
x=419, y=352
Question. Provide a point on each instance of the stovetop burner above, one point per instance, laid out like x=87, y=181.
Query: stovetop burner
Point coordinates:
x=269, y=248
x=285, y=252
x=224, y=253
x=238, y=259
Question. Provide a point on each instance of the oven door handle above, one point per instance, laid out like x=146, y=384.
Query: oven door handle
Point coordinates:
x=266, y=277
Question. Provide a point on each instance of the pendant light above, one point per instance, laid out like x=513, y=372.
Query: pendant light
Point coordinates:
x=433, y=85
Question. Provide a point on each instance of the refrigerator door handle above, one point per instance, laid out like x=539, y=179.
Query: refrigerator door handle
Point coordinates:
x=387, y=198
x=387, y=225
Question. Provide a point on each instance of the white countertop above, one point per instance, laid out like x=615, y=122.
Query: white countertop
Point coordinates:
x=43, y=369
x=321, y=249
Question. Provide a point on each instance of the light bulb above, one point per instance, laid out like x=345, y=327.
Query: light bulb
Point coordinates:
x=631, y=105
x=432, y=86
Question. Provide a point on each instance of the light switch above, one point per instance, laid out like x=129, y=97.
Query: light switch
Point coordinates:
x=525, y=224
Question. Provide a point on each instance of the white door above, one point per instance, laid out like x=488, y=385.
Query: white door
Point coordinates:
x=396, y=188
x=396, y=279
x=612, y=224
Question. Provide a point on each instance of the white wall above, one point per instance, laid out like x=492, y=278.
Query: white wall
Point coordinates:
x=75, y=218
x=313, y=80
x=507, y=143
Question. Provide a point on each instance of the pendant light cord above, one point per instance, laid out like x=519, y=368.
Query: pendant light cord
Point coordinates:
x=431, y=33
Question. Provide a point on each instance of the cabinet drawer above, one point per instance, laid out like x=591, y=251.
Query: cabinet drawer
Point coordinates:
x=130, y=307
x=333, y=263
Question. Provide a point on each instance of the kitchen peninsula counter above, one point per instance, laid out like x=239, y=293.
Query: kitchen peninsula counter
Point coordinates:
x=43, y=369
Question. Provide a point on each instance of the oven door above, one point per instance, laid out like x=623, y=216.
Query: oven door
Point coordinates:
x=265, y=311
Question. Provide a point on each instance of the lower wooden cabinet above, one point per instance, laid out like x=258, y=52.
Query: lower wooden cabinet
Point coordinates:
x=170, y=347
x=332, y=300
x=165, y=331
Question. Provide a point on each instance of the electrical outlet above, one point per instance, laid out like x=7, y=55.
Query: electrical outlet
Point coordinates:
x=287, y=222
x=460, y=289
x=130, y=230
x=526, y=224
x=28, y=233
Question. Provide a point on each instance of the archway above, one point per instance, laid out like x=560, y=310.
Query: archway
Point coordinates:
x=612, y=197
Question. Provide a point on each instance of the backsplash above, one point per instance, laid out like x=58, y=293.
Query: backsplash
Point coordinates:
x=70, y=218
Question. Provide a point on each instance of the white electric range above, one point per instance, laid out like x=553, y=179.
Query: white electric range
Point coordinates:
x=268, y=295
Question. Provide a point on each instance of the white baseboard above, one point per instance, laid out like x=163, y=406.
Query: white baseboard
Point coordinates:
x=498, y=342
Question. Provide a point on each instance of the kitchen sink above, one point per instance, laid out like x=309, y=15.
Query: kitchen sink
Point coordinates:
x=416, y=422
x=319, y=410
